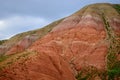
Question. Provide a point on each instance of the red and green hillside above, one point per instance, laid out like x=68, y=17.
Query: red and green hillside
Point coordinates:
x=82, y=46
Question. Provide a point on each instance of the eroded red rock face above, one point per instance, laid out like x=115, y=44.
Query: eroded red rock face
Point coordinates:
x=40, y=67
x=22, y=45
x=81, y=46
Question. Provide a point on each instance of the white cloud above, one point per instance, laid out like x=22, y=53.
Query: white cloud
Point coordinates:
x=17, y=24
x=22, y=21
x=2, y=25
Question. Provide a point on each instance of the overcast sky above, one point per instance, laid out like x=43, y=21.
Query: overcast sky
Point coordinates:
x=22, y=15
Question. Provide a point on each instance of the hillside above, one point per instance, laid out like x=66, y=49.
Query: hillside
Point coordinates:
x=82, y=46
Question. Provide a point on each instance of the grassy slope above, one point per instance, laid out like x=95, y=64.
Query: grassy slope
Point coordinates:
x=117, y=7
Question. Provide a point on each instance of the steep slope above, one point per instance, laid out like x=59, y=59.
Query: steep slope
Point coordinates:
x=85, y=44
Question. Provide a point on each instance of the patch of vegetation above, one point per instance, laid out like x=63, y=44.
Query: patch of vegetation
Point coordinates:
x=3, y=57
x=113, y=64
x=115, y=71
x=90, y=73
x=2, y=41
x=25, y=54
x=117, y=7
x=80, y=76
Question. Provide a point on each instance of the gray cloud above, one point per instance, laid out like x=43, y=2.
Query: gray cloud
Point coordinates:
x=46, y=8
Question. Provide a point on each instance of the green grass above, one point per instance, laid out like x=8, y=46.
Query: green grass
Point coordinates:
x=2, y=58
x=80, y=76
x=117, y=7
x=115, y=71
